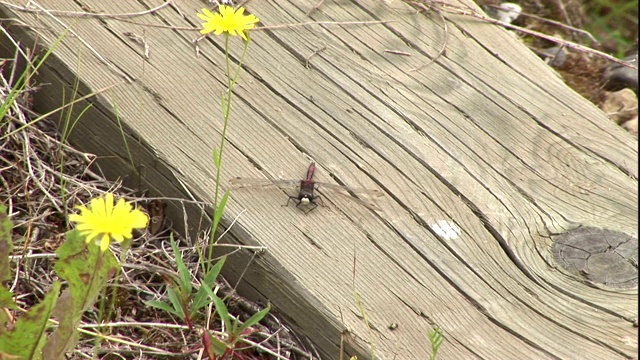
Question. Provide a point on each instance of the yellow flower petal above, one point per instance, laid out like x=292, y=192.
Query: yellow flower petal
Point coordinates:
x=104, y=243
x=105, y=221
x=227, y=20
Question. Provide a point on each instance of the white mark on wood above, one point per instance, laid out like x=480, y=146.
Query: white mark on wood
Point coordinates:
x=447, y=229
x=397, y=52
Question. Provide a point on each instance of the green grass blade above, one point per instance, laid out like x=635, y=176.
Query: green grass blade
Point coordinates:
x=223, y=312
x=220, y=210
x=436, y=339
x=203, y=296
x=184, y=281
x=162, y=306
x=254, y=319
x=176, y=301
x=212, y=275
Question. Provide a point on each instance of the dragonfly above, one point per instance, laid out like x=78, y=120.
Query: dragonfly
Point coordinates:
x=306, y=200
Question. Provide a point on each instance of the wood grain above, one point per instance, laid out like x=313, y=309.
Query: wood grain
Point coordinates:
x=487, y=139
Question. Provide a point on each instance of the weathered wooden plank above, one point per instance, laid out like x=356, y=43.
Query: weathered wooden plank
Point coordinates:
x=486, y=138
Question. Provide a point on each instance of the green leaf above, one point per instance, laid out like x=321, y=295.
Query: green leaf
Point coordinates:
x=176, y=301
x=87, y=270
x=223, y=103
x=200, y=300
x=203, y=297
x=218, y=345
x=184, y=281
x=6, y=247
x=221, y=308
x=254, y=319
x=162, y=306
x=212, y=345
x=436, y=339
x=6, y=301
x=26, y=339
x=220, y=210
x=212, y=275
x=216, y=158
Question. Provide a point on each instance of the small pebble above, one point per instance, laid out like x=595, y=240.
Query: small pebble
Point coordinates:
x=618, y=77
x=555, y=56
x=506, y=12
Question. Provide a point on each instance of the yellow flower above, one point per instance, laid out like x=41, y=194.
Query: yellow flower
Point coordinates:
x=229, y=20
x=104, y=220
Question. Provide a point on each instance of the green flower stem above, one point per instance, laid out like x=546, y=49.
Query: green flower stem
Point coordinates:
x=226, y=111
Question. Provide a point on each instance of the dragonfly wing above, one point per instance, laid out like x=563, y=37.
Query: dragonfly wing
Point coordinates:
x=365, y=197
x=238, y=183
x=374, y=193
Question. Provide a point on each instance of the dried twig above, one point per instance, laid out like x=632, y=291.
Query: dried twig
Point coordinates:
x=77, y=14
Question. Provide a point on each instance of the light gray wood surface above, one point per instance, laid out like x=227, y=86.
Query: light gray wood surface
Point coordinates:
x=487, y=139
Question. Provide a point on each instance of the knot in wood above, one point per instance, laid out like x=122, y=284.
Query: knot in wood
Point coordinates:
x=599, y=256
